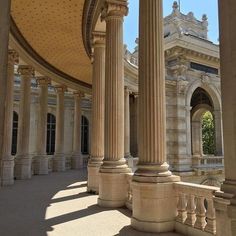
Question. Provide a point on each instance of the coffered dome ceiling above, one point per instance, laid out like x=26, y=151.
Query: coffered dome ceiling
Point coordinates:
x=53, y=30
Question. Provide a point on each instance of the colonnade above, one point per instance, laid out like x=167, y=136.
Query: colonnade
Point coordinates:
x=152, y=186
x=154, y=199
x=20, y=167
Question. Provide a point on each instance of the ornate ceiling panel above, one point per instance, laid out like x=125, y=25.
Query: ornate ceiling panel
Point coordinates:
x=53, y=28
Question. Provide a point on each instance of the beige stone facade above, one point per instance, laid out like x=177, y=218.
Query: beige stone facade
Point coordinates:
x=142, y=127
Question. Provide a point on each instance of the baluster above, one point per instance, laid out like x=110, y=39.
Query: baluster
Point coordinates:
x=200, y=213
x=211, y=217
x=181, y=207
x=191, y=216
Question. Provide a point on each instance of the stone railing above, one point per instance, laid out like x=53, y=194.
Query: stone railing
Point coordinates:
x=208, y=162
x=196, y=212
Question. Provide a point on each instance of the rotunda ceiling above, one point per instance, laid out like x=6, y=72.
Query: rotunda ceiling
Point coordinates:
x=53, y=29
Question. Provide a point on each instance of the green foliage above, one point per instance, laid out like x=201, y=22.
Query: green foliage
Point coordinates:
x=208, y=133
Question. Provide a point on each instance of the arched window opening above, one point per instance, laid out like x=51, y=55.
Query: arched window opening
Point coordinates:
x=51, y=134
x=84, y=135
x=14, y=133
x=208, y=134
x=202, y=124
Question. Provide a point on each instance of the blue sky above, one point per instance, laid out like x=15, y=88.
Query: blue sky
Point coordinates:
x=198, y=7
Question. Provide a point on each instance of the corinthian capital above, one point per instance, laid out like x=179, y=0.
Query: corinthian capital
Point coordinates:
x=26, y=70
x=13, y=56
x=114, y=8
x=99, y=38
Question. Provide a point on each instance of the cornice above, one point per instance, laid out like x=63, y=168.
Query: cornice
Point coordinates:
x=90, y=17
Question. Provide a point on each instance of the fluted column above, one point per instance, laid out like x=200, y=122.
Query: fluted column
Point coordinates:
x=4, y=39
x=41, y=158
x=225, y=202
x=112, y=185
x=59, y=157
x=98, y=108
x=127, y=123
x=7, y=159
x=23, y=159
x=77, y=158
x=154, y=199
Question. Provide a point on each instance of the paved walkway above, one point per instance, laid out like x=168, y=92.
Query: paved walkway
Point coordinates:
x=58, y=205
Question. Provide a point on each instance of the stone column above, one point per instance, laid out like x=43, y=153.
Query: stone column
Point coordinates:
x=218, y=133
x=4, y=38
x=77, y=158
x=41, y=158
x=154, y=197
x=127, y=123
x=7, y=159
x=225, y=203
x=112, y=185
x=59, y=157
x=23, y=159
x=98, y=107
x=197, y=138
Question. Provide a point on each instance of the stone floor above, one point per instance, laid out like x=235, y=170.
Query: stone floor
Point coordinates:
x=58, y=205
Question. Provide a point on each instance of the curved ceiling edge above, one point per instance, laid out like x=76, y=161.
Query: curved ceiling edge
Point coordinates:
x=15, y=32
x=90, y=17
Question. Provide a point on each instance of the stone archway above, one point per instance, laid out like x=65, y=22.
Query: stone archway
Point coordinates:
x=215, y=104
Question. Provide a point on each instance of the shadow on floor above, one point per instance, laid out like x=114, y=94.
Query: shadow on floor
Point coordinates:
x=24, y=206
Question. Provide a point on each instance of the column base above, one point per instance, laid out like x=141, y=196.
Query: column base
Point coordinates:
x=93, y=178
x=77, y=161
x=23, y=167
x=41, y=165
x=223, y=220
x=154, y=204
x=59, y=163
x=7, y=171
x=113, y=188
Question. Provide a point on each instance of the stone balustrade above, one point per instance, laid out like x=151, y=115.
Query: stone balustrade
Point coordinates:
x=208, y=162
x=196, y=212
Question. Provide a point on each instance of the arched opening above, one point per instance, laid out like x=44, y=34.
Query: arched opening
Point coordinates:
x=14, y=133
x=84, y=135
x=51, y=134
x=202, y=124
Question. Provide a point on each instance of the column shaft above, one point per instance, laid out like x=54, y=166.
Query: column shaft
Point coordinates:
x=225, y=203
x=152, y=107
x=127, y=123
x=23, y=160
x=4, y=38
x=7, y=159
x=77, y=158
x=112, y=185
x=41, y=159
x=59, y=158
x=152, y=185
x=98, y=108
